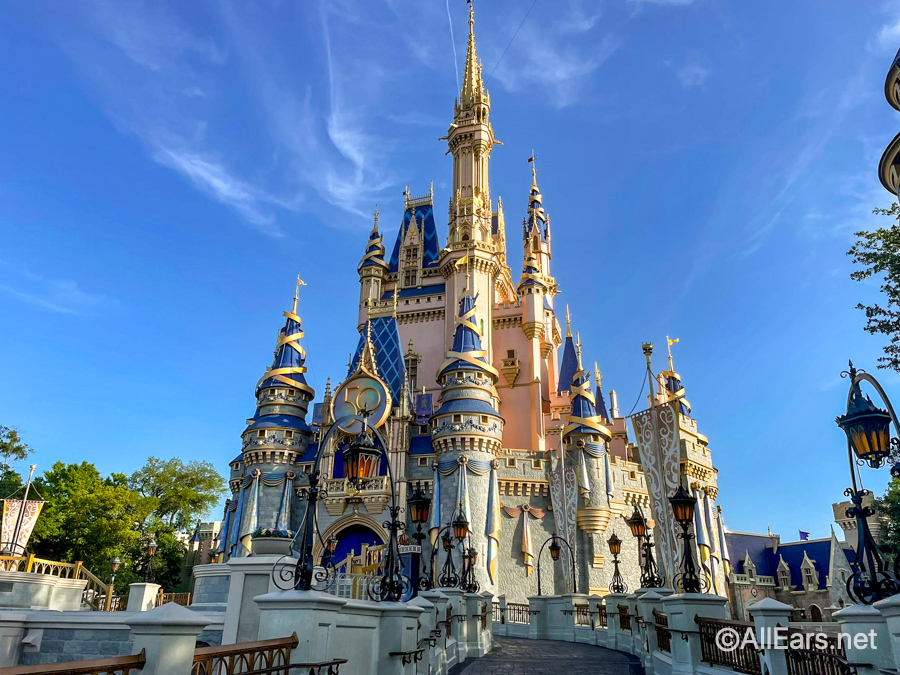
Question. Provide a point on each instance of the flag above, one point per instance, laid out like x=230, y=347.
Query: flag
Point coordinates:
x=672, y=342
x=462, y=261
x=531, y=159
x=300, y=281
x=804, y=536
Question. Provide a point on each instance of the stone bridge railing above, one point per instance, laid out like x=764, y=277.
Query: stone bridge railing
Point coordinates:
x=688, y=634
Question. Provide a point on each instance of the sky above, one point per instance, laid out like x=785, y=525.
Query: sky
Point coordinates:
x=168, y=168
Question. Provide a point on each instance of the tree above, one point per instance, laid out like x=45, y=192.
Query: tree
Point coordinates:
x=12, y=448
x=878, y=252
x=87, y=517
x=888, y=510
x=180, y=493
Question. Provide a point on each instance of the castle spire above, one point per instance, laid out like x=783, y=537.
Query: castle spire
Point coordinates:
x=473, y=86
x=568, y=322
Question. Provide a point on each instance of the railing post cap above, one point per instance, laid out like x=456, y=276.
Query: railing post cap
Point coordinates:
x=419, y=601
x=168, y=619
x=889, y=606
x=859, y=613
x=651, y=595
x=769, y=606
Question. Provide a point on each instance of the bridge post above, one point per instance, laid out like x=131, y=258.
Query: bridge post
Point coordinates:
x=681, y=609
x=767, y=614
x=649, y=601
x=442, y=662
x=538, y=626
x=456, y=600
x=485, y=623
x=890, y=610
x=167, y=635
x=616, y=637
x=864, y=619
x=500, y=628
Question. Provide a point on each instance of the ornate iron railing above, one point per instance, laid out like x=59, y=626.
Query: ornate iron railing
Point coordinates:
x=265, y=657
x=602, y=620
x=743, y=659
x=183, y=599
x=496, y=614
x=517, y=613
x=827, y=659
x=663, y=634
x=582, y=615
x=624, y=617
x=119, y=665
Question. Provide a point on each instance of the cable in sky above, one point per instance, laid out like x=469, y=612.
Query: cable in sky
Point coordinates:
x=510, y=42
x=453, y=43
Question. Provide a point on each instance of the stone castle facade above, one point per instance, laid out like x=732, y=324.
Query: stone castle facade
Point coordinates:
x=491, y=403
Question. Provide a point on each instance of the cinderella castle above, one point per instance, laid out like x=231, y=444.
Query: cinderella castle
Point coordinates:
x=478, y=407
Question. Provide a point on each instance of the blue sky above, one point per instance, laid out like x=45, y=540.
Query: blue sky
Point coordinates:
x=168, y=168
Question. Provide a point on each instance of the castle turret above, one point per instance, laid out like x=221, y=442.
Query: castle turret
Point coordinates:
x=467, y=434
x=372, y=269
x=569, y=366
x=275, y=437
x=599, y=403
x=536, y=228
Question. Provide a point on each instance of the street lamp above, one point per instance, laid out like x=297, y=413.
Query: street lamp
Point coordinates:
x=419, y=504
x=868, y=430
x=637, y=523
x=361, y=459
x=553, y=541
x=114, y=565
x=617, y=585
x=683, y=507
x=451, y=537
x=468, y=583
x=151, y=551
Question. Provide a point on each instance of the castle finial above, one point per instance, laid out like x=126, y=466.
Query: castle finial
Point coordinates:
x=578, y=349
x=568, y=322
x=533, y=161
x=473, y=87
x=671, y=342
x=375, y=226
x=597, y=374
x=300, y=283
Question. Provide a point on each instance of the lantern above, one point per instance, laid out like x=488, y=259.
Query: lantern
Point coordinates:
x=447, y=541
x=418, y=504
x=554, y=550
x=683, y=505
x=361, y=459
x=151, y=548
x=615, y=544
x=115, y=563
x=637, y=523
x=330, y=546
x=868, y=429
x=460, y=525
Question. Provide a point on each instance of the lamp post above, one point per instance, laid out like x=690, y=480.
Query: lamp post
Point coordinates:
x=868, y=430
x=637, y=523
x=683, y=506
x=454, y=536
x=468, y=583
x=361, y=458
x=555, y=549
x=114, y=566
x=419, y=505
x=617, y=585
x=448, y=578
x=151, y=551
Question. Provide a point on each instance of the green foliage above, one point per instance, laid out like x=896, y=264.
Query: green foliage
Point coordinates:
x=12, y=448
x=86, y=517
x=878, y=252
x=888, y=509
x=180, y=493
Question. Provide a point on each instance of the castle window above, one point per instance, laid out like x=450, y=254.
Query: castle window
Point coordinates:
x=510, y=462
x=457, y=418
x=510, y=353
x=292, y=392
x=423, y=461
x=536, y=464
x=484, y=419
x=260, y=434
x=412, y=370
x=784, y=578
x=288, y=434
x=412, y=254
x=409, y=279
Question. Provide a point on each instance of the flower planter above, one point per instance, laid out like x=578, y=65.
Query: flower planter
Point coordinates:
x=271, y=546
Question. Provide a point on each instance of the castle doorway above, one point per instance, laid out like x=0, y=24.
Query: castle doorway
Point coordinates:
x=353, y=538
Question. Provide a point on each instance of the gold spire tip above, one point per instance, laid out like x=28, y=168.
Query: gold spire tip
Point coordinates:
x=300, y=283
x=578, y=349
x=568, y=322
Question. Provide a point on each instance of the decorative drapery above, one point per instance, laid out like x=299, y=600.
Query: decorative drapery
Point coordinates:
x=283, y=521
x=435, y=528
x=700, y=528
x=250, y=522
x=242, y=515
x=723, y=543
x=713, y=540
x=564, y=498
x=447, y=466
x=527, y=512
x=594, y=451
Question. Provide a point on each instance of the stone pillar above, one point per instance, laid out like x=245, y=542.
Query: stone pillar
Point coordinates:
x=767, y=614
x=396, y=633
x=443, y=652
x=871, y=642
x=561, y=616
x=890, y=610
x=615, y=638
x=500, y=628
x=457, y=603
x=168, y=636
x=250, y=577
x=311, y=614
x=142, y=597
x=427, y=624
x=600, y=633
x=649, y=601
x=681, y=608
x=637, y=628
x=486, y=631
x=12, y=630
x=538, y=625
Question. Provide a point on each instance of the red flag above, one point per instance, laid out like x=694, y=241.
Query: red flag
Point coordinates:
x=531, y=159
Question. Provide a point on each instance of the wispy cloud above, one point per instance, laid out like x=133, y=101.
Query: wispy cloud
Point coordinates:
x=692, y=73
x=63, y=296
x=888, y=36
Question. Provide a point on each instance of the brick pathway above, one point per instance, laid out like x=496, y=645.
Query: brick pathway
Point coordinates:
x=512, y=656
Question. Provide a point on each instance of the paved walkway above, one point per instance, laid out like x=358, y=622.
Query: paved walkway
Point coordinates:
x=513, y=656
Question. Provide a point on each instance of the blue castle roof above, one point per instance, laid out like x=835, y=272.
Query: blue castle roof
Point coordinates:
x=569, y=366
x=599, y=403
x=374, y=256
x=388, y=354
x=287, y=356
x=465, y=340
x=761, y=549
x=537, y=217
x=424, y=221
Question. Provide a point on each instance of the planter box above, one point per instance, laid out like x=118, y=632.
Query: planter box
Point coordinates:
x=271, y=546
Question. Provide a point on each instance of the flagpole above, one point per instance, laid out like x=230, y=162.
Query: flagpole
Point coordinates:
x=15, y=539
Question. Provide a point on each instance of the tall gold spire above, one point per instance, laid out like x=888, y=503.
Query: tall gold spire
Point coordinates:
x=578, y=350
x=568, y=322
x=473, y=86
x=597, y=374
x=300, y=283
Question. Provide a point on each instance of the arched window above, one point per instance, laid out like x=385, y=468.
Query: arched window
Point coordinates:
x=815, y=614
x=465, y=236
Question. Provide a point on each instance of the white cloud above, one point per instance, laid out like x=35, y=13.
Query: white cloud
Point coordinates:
x=56, y=295
x=888, y=38
x=692, y=74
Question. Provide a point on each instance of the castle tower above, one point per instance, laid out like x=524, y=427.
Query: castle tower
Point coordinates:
x=585, y=439
x=469, y=260
x=536, y=228
x=372, y=269
x=263, y=476
x=467, y=435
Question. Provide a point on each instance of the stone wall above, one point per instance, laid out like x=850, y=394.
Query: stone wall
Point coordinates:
x=59, y=645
